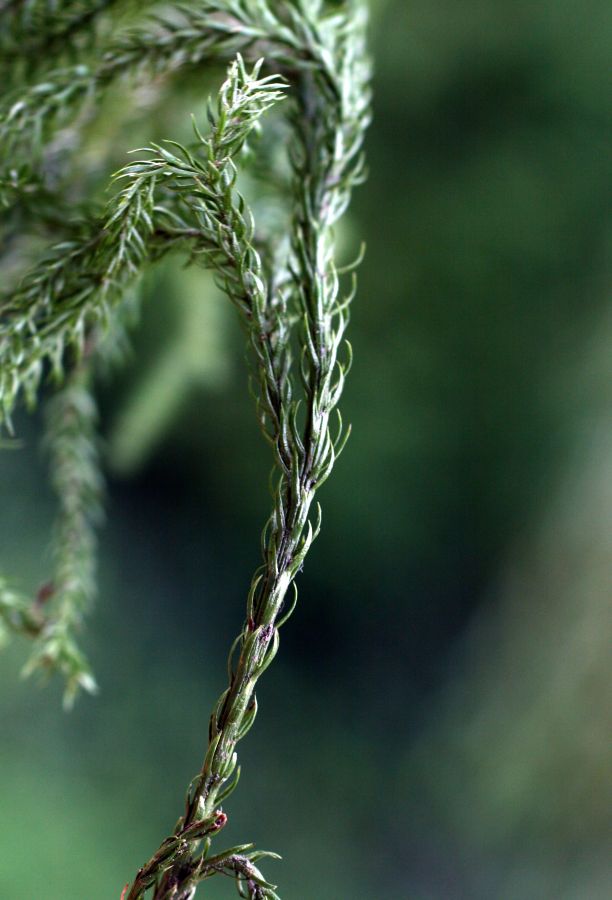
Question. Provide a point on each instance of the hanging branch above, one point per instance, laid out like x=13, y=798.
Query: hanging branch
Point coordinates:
x=332, y=113
x=53, y=618
x=291, y=303
x=71, y=443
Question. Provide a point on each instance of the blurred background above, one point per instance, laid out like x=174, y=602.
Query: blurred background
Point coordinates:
x=437, y=723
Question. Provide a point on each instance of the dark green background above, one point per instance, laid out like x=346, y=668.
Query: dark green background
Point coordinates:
x=436, y=725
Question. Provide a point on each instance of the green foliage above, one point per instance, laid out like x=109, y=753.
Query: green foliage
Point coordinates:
x=291, y=302
x=54, y=617
x=76, y=479
x=35, y=30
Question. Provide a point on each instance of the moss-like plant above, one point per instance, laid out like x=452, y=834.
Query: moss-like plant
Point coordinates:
x=308, y=56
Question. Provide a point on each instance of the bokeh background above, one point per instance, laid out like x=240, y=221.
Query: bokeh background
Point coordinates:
x=437, y=724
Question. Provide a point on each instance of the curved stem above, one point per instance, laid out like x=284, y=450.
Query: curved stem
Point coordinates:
x=328, y=125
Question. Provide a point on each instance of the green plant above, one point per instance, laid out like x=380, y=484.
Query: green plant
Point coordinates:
x=56, y=320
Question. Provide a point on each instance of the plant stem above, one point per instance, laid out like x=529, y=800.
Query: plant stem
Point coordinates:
x=325, y=169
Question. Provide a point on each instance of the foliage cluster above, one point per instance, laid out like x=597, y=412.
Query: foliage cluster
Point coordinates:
x=66, y=314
